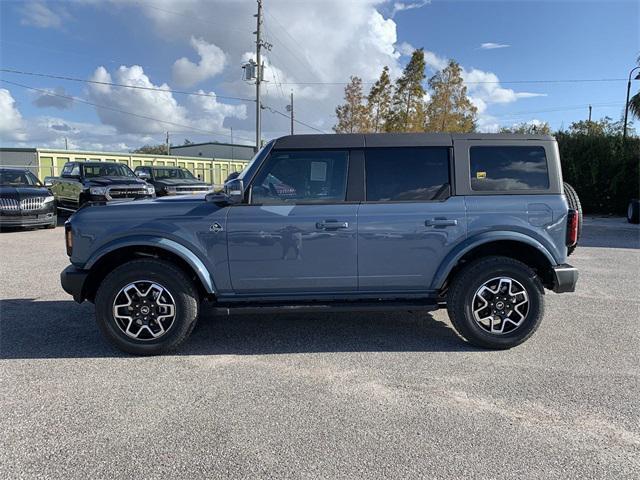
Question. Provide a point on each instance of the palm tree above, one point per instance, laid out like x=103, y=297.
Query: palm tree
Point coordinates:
x=634, y=103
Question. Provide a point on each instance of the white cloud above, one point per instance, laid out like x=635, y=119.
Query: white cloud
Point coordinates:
x=212, y=62
x=405, y=49
x=38, y=14
x=11, y=122
x=401, y=6
x=493, y=46
x=54, y=98
x=485, y=86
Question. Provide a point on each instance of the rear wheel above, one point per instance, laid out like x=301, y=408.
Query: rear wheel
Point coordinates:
x=146, y=307
x=574, y=203
x=496, y=302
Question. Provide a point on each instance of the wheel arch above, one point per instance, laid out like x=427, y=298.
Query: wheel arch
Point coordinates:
x=116, y=253
x=510, y=244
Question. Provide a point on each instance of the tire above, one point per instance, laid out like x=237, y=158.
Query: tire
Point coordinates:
x=574, y=203
x=178, y=289
x=633, y=211
x=466, y=284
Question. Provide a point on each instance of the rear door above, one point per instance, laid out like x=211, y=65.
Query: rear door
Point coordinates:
x=297, y=233
x=409, y=220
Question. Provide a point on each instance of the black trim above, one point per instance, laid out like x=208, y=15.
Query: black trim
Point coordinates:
x=72, y=280
x=565, y=278
x=355, y=177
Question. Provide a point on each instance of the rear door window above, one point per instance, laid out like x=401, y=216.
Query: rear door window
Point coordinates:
x=504, y=168
x=407, y=174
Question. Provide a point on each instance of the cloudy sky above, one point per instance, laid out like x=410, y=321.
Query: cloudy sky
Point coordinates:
x=522, y=61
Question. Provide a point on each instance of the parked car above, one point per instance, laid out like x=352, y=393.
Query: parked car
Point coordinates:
x=82, y=182
x=476, y=223
x=172, y=180
x=24, y=201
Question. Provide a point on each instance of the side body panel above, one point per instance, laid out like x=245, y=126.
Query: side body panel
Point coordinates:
x=399, y=246
x=284, y=248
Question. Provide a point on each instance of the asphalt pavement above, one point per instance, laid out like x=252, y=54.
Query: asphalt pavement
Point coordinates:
x=367, y=395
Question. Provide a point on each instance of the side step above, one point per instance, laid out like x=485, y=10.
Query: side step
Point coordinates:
x=313, y=307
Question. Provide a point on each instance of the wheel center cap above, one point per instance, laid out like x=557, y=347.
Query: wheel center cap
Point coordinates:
x=499, y=305
x=144, y=310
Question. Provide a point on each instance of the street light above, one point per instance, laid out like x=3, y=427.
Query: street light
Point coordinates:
x=626, y=105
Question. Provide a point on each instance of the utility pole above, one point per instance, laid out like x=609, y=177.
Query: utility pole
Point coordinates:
x=290, y=110
x=258, y=72
x=589, y=113
x=66, y=144
x=167, y=144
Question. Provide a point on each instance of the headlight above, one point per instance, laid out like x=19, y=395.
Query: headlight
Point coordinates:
x=98, y=190
x=150, y=189
x=48, y=199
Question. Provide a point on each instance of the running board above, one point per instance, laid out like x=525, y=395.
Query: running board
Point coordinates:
x=331, y=307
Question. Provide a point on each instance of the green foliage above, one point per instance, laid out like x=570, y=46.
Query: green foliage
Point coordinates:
x=528, y=128
x=152, y=149
x=379, y=101
x=353, y=115
x=603, y=171
x=604, y=126
x=407, y=113
x=449, y=109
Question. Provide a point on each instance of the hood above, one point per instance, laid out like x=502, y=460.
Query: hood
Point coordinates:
x=106, y=181
x=18, y=193
x=181, y=182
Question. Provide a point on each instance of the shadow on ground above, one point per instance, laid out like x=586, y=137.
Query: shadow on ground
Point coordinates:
x=64, y=329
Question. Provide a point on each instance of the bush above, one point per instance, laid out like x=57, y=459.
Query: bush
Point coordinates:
x=603, y=171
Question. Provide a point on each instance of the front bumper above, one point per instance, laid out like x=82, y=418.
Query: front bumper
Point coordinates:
x=565, y=278
x=73, y=281
x=33, y=220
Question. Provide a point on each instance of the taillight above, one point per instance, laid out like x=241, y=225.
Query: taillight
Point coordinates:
x=572, y=228
x=68, y=238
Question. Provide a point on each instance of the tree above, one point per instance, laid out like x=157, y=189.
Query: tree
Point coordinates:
x=353, y=114
x=407, y=113
x=528, y=128
x=449, y=109
x=604, y=126
x=152, y=149
x=379, y=101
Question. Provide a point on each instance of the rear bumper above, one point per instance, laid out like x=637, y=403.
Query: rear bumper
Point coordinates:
x=73, y=280
x=565, y=278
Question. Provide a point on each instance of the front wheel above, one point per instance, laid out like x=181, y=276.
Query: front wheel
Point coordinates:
x=496, y=302
x=147, y=307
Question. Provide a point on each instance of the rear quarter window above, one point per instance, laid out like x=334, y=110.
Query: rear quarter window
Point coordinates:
x=504, y=168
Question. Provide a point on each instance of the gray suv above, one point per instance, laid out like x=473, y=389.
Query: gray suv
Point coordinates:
x=476, y=223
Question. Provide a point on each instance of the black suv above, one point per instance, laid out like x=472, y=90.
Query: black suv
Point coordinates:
x=24, y=201
x=172, y=180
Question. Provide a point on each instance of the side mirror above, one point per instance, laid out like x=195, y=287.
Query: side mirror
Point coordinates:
x=233, y=192
x=48, y=182
x=143, y=175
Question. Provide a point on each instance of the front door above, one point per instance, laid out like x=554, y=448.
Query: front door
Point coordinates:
x=296, y=234
x=409, y=221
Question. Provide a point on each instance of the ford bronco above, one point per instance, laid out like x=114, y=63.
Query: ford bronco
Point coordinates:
x=476, y=223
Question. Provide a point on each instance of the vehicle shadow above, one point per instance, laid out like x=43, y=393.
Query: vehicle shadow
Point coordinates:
x=63, y=329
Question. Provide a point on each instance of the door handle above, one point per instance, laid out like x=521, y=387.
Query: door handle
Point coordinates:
x=440, y=222
x=331, y=225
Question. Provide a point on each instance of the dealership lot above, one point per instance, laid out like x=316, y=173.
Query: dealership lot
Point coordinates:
x=386, y=395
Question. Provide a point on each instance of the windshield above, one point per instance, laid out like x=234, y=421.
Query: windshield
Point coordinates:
x=107, y=170
x=248, y=171
x=161, y=173
x=18, y=178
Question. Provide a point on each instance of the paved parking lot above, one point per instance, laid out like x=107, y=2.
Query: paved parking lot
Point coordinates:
x=322, y=396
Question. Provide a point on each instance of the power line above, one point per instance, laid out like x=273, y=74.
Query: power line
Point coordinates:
x=559, y=109
x=273, y=110
x=574, y=80
x=125, y=112
x=122, y=85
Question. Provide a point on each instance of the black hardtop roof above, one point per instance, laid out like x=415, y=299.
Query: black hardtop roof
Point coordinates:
x=363, y=140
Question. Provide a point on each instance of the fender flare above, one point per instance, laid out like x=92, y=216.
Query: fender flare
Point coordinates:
x=477, y=240
x=171, y=246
